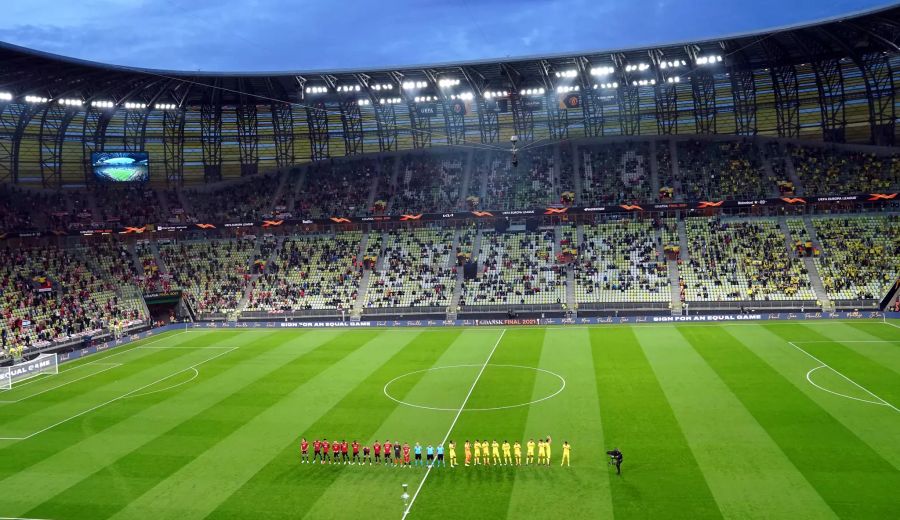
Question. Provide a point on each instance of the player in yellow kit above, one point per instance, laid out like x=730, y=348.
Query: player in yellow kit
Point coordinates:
x=477, y=452
x=565, y=455
x=507, y=457
x=517, y=450
x=486, y=451
x=530, y=445
x=468, y=449
x=452, y=449
x=541, y=451
x=547, y=450
x=495, y=452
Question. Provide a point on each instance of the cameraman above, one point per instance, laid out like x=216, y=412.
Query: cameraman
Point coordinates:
x=615, y=457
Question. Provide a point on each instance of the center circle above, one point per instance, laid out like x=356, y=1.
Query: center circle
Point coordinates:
x=468, y=369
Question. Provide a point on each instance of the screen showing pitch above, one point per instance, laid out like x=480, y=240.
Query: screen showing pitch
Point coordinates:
x=121, y=166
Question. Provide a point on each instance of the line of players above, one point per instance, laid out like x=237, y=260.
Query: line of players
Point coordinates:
x=476, y=453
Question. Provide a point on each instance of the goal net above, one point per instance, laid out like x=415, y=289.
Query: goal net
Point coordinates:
x=43, y=364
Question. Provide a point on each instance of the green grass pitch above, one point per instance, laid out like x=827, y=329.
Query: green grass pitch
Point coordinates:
x=739, y=420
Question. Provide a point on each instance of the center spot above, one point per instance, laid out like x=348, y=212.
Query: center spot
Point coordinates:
x=499, y=387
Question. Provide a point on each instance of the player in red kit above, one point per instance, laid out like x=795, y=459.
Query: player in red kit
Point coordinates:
x=355, y=458
x=345, y=449
x=317, y=450
x=377, y=449
x=336, y=452
x=304, y=451
x=387, y=452
x=325, y=447
x=406, y=455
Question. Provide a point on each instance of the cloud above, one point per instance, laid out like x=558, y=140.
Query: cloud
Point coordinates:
x=328, y=34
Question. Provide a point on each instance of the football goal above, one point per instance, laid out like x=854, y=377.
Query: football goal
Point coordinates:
x=43, y=364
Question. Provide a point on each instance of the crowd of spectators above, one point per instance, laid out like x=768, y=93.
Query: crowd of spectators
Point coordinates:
x=619, y=262
x=428, y=183
x=246, y=200
x=338, y=188
x=49, y=295
x=526, y=184
x=714, y=170
x=832, y=171
x=416, y=271
x=741, y=260
x=311, y=272
x=213, y=274
x=859, y=258
x=617, y=172
x=516, y=269
x=129, y=205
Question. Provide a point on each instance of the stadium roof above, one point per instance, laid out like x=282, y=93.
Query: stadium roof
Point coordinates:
x=29, y=72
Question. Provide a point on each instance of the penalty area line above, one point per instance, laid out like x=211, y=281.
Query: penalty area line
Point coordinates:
x=453, y=424
x=123, y=396
x=861, y=387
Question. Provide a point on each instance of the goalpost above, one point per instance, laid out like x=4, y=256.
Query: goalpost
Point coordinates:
x=43, y=364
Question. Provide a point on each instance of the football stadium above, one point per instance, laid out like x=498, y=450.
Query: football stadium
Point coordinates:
x=634, y=283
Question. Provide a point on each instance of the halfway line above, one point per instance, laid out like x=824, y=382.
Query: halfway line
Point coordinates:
x=453, y=424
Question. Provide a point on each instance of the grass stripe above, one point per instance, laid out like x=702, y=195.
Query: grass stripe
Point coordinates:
x=571, y=416
x=227, y=398
x=199, y=487
x=661, y=478
x=358, y=416
x=745, y=469
x=819, y=446
x=140, y=420
x=451, y=492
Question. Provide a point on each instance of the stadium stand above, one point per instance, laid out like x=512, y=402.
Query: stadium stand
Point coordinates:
x=529, y=184
x=828, y=171
x=243, y=201
x=619, y=263
x=859, y=258
x=337, y=188
x=429, y=182
x=314, y=272
x=51, y=295
x=415, y=271
x=713, y=170
x=516, y=269
x=741, y=261
x=214, y=274
x=617, y=172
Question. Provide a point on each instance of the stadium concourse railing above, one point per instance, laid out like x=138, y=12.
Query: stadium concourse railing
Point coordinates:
x=752, y=305
x=70, y=344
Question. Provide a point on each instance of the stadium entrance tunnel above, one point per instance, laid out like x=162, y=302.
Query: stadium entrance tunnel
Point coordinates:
x=499, y=387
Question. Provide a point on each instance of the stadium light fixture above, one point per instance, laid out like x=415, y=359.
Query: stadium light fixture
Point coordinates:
x=465, y=96
x=709, y=60
x=674, y=79
x=424, y=99
x=135, y=106
x=166, y=106
x=562, y=89
x=364, y=102
x=349, y=88
x=448, y=82
x=70, y=102
x=6, y=96
x=495, y=94
x=36, y=99
x=316, y=90
x=102, y=104
x=602, y=71
x=566, y=73
x=613, y=84
x=390, y=101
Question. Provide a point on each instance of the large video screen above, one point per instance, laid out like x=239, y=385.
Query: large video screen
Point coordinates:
x=121, y=166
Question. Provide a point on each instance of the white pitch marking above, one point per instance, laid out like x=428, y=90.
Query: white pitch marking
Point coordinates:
x=891, y=324
x=808, y=378
x=453, y=424
x=389, y=396
x=850, y=341
x=791, y=343
x=112, y=366
x=196, y=373
x=123, y=396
